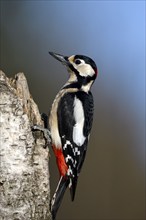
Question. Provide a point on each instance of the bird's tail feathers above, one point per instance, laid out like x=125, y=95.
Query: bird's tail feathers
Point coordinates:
x=58, y=195
x=72, y=187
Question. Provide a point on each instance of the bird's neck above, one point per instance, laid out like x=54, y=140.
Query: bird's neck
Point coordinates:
x=79, y=85
x=80, y=82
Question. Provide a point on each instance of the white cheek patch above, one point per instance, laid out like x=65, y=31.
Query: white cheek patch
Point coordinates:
x=78, y=136
x=84, y=69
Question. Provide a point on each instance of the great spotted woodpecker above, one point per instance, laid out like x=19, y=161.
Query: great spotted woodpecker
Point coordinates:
x=70, y=123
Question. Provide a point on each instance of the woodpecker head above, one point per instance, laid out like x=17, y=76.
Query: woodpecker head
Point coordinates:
x=82, y=69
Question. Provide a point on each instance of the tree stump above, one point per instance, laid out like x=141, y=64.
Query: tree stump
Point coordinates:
x=24, y=170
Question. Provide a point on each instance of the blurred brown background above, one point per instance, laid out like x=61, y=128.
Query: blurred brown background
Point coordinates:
x=112, y=183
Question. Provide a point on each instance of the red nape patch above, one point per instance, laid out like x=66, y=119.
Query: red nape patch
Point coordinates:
x=62, y=166
x=96, y=71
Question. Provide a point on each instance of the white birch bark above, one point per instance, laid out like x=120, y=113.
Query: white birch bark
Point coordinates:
x=24, y=170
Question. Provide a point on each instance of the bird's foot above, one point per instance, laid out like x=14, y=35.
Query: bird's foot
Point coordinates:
x=45, y=131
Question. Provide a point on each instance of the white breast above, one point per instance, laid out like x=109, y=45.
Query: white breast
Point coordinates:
x=78, y=136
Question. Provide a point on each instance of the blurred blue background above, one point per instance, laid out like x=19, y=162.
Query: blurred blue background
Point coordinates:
x=112, y=182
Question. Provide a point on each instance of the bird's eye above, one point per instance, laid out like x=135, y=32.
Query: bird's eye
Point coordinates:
x=77, y=61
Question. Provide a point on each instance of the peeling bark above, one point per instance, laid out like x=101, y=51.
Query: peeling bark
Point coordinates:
x=24, y=171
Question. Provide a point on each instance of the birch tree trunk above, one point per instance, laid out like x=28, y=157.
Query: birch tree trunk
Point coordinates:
x=24, y=171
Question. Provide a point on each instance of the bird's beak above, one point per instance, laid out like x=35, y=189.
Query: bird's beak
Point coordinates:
x=63, y=59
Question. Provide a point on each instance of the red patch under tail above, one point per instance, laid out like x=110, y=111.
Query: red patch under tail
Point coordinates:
x=62, y=166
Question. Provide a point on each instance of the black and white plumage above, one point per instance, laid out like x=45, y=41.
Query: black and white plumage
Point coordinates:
x=70, y=123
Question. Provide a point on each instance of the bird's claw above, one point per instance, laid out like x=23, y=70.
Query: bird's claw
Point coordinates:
x=46, y=132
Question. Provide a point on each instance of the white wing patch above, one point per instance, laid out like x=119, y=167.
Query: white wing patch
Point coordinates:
x=78, y=136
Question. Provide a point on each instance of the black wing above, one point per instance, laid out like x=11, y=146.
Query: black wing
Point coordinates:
x=74, y=154
x=65, y=117
x=88, y=105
